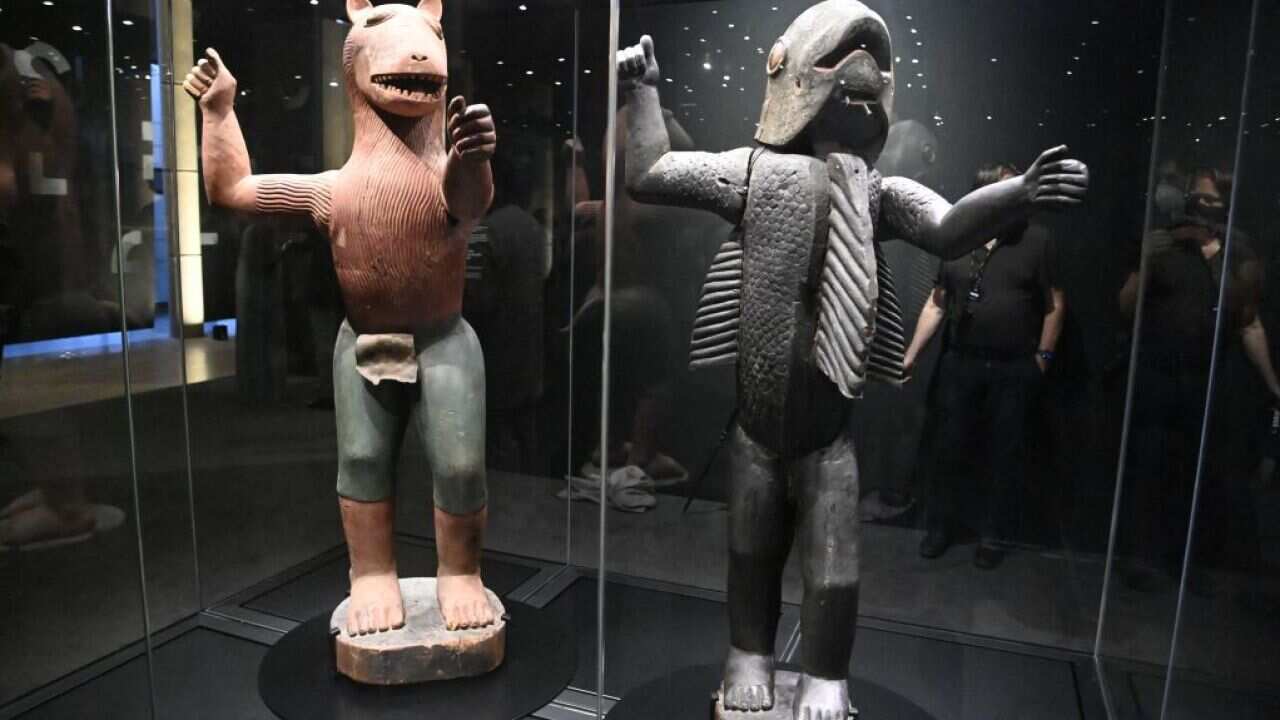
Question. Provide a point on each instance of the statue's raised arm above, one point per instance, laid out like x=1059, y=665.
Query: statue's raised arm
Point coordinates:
x=716, y=182
x=228, y=176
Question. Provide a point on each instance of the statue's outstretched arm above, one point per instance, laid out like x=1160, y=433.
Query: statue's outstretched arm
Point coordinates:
x=228, y=177
x=916, y=214
x=705, y=181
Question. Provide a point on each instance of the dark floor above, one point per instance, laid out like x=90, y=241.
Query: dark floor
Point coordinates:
x=263, y=502
x=1138, y=691
x=202, y=675
x=652, y=631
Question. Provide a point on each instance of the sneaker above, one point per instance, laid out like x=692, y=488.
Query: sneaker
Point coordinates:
x=935, y=543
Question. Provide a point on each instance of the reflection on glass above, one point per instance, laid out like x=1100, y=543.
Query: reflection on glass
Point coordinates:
x=68, y=535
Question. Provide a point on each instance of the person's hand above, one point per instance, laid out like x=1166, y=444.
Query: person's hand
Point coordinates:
x=212, y=84
x=1055, y=181
x=471, y=129
x=637, y=65
x=1042, y=364
x=909, y=366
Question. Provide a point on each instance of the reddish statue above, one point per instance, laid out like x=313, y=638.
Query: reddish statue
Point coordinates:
x=398, y=215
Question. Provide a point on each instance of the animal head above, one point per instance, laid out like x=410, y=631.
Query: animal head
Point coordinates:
x=831, y=70
x=395, y=56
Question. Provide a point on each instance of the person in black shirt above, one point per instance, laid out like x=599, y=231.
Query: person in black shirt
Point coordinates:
x=1003, y=314
x=1187, y=266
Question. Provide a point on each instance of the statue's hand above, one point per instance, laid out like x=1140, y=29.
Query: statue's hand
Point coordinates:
x=212, y=84
x=638, y=65
x=1055, y=181
x=471, y=130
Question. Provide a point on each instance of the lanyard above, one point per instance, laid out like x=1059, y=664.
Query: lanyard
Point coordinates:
x=980, y=271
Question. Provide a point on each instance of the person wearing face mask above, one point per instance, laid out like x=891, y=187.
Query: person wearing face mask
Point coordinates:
x=1001, y=312
x=1193, y=284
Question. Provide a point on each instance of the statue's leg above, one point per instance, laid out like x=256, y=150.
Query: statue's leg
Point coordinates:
x=371, y=423
x=829, y=554
x=760, y=533
x=451, y=421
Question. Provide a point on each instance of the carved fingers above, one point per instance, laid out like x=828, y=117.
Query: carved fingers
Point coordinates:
x=471, y=130
x=211, y=83
x=1056, y=181
x=638, y=64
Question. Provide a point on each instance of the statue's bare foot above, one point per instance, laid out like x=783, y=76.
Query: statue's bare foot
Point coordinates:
x=376, y=605
x=818, y=699
x=748, y=681
x=464, y=602
x=45, y=523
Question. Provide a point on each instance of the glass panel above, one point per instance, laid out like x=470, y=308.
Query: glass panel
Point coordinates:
x=1172, y=289
x=985, y=483
x=151, y=290
x=264, y=440
x=1225, y=662
x=70, y=572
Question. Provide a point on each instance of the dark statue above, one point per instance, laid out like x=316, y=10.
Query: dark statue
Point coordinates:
x=802, y=301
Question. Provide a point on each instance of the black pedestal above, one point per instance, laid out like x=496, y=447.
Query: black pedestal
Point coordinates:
x=298, y=680
x=688, y=695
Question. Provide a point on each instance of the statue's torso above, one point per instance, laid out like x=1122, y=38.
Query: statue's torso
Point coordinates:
x=400, y=258
x=785, y=402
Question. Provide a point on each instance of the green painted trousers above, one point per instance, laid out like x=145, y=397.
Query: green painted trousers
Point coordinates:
x=446, y=406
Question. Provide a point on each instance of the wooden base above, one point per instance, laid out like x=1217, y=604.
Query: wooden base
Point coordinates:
x=784, y=702
x=423, y=650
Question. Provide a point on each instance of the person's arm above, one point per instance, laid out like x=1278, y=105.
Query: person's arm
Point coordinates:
x=923, y=218
x=576, y=187
x=468, y=178
x=1254, y=338
x=1128, y=298
x=931, y=317
x=1051, y=328
x=1253, y=334
x=715, y=182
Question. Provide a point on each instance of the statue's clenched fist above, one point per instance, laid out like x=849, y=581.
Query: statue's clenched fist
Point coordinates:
x=471, y=130
x=638, y=64
x=211, y=83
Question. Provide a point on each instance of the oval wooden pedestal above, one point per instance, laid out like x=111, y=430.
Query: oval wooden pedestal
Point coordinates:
x=423, y=650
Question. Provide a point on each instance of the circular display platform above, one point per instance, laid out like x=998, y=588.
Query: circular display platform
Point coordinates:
x=688, y=695
x=299, y=681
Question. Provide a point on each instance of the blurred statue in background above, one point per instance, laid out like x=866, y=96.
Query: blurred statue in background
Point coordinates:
x=802, y=301
x=398, y=214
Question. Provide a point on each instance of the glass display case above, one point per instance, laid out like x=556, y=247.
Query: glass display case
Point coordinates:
x=913, y=350
x=1063, y=503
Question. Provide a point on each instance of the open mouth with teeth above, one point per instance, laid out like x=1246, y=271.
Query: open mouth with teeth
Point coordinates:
x=411, y=86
